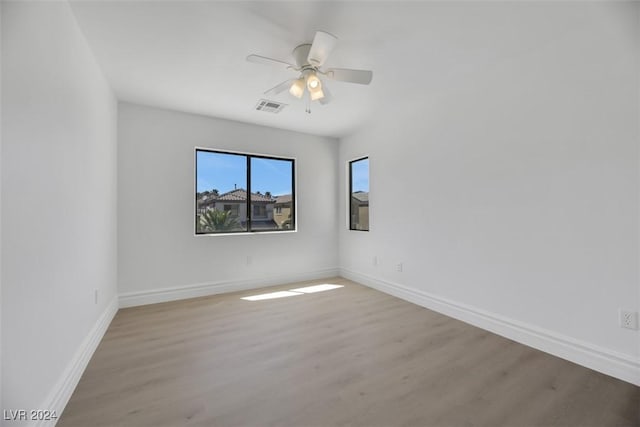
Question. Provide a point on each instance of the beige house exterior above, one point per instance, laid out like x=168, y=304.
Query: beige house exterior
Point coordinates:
x=262, y=207
x=282, y=211
x=360, y=210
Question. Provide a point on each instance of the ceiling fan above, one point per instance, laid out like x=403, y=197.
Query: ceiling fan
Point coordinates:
x=309, y=58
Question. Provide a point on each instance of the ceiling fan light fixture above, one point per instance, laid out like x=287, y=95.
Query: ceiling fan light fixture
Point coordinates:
x=313, y=82
x=309, y=58
x=297, y=88
x=316, y=93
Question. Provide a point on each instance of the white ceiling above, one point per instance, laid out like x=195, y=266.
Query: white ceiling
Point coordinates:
x=190, y=56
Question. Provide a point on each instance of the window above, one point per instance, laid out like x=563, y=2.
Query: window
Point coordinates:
x=259, y=211
x=359, y=194
x=236, y=192
x=234, y=209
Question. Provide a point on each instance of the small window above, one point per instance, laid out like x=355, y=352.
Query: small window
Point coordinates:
x=259, y=211
x=359, y=194
x=234, y=209
x=237, y=192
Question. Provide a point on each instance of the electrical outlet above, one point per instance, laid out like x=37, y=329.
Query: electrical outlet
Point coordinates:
x=629, y=319
x=249, y=260
x=399, y=267
x=95, y=296
x=375, y=260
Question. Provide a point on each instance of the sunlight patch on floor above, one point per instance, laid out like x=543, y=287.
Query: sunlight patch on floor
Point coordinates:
x=271, y=295
x=293, y=292
x=317, y=288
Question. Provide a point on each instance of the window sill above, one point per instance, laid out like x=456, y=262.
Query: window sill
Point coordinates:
x=245, y=233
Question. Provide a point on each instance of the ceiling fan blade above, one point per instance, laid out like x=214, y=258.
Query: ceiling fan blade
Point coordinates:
x=279, y=88
x=257, y=59
x=321, y=48
x=362, y=77
x=327, y=98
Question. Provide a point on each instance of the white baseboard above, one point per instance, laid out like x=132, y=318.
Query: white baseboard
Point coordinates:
x=603, y=360
x=132, y=299
x=61, y=393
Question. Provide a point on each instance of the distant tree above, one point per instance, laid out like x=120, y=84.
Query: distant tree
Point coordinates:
x=268, y=194
x=205, y=195
x=216, y=220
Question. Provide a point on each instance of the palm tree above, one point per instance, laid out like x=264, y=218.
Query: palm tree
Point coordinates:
x=215, y=220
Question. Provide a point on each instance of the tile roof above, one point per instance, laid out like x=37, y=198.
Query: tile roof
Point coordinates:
x=361, y=196
x=240, y=195
x=286, y=198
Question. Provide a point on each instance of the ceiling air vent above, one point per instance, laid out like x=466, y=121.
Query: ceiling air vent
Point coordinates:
x=270, y=106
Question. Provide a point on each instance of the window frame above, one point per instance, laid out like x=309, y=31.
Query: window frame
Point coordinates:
x=249, y=205
x=350, y=191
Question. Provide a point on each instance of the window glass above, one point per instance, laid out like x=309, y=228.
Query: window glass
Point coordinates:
x=359, y=194
x=271, y=186
x=238, y=192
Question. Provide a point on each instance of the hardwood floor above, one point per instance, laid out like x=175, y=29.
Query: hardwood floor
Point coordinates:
x=350, y=356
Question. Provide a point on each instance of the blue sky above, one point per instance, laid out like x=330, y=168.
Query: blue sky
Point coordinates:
x=221, y=171
x=360, y=175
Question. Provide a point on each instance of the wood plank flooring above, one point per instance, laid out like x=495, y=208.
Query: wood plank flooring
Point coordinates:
x=350, y=356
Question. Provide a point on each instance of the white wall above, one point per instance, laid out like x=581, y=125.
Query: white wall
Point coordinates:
x=1, y=405
x=157, y=248
x=512, y=189
x=58, y=200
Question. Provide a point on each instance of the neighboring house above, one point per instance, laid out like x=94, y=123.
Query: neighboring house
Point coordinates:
x=360, y=210
x=205, y=200
x=282, y=211
x=236, y=202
